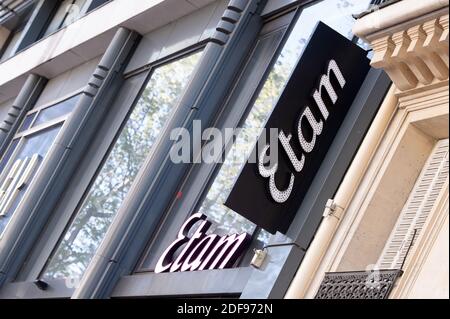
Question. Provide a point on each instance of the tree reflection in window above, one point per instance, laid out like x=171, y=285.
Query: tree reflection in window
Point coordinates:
x=338, y=15
x=120, y=169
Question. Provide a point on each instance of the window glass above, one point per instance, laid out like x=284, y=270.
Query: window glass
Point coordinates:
x=22, y=160
x=56, y=111
x=336, y=14
x=27, y=122
x=75, y=11
x=225, y=220
x=8, y=154
x=26, y=162
x=68, y=12
x=38, y=143
x=120, y=169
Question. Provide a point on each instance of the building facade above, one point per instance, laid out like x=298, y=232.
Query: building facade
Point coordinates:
x=390, y=214
x=92, y=204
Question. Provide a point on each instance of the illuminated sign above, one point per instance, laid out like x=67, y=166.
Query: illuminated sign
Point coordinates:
x=200, y=251
x=308, y=116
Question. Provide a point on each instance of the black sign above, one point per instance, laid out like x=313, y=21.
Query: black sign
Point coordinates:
x=308, y=116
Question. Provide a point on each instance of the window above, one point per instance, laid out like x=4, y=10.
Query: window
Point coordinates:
x=224, y=220
x=27, y=152
x=67, y=12
x=415, y=213
x=115, y=178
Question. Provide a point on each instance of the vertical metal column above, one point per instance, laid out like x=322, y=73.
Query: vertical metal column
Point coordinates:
x=22, y=104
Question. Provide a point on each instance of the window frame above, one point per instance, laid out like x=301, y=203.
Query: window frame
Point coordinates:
x=202, y=176
x=88, y=164
x=21, y=136
x=39, y=109
x=149, y=71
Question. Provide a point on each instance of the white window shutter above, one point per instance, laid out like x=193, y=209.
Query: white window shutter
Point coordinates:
x=417, y=208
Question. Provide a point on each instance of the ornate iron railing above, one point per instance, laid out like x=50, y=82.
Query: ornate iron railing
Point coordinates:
x=376, y=284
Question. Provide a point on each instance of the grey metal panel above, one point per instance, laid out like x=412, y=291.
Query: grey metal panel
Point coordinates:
x=197, y=283
x=330, y=175
x=22, y=104
x=65, y=84
x=28, y=290
x=4, y=108
x=176, y=36
x=62, y=160
x=159, y=177
x=262, y=281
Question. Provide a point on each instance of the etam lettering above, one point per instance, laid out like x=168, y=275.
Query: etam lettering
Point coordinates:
x=315, y=126
x=201, y=251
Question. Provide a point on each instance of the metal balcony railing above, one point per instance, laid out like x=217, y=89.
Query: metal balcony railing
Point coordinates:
x=376, y=284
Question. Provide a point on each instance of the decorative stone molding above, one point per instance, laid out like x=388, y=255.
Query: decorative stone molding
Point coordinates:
x=415, y=52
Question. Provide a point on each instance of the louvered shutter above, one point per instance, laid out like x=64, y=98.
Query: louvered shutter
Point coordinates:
x=417, y=208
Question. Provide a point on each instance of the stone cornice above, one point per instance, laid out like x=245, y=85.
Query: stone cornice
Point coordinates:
x=415, y=52
x=397, y=15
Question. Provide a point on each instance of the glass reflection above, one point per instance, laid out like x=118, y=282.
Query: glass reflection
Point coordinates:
x=8, y=155
x=68, y=12
x=56, y=111
x=38, y=144
x=27, y=122
x=111, y=186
